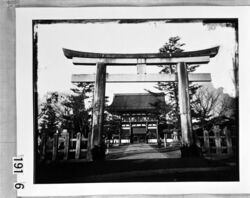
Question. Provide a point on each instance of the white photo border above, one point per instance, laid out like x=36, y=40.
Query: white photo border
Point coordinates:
x=24, y=94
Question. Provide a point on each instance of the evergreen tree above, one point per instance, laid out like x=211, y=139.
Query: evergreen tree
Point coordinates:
x=63, y=111
x=48, y=117
x=79, y=119
x=174, y=46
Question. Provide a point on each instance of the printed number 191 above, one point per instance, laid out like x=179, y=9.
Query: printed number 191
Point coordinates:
x=17, y=165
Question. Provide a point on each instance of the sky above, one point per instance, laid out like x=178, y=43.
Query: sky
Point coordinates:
x=55, y=70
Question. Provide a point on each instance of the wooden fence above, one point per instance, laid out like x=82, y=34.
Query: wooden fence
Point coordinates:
x=216, y=141
x=63, y=147
x=213, y=142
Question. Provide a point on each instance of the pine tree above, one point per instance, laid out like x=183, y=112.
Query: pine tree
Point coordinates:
x=48, y=117
x=79, y=119
x=174, y=46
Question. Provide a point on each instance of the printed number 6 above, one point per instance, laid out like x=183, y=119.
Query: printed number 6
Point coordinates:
x=19, y=186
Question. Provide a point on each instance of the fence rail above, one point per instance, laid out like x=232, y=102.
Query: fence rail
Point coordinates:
x=62, y=147
x=215, y=142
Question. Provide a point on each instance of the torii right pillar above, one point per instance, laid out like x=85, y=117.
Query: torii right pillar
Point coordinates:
x=185, y=112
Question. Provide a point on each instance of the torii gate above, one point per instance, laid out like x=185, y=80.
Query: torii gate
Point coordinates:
x=101, y=60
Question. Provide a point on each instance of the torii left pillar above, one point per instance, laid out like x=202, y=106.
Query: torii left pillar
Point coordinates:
x=96, y=148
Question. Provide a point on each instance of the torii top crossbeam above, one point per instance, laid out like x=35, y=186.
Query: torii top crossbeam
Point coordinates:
x=189, y=57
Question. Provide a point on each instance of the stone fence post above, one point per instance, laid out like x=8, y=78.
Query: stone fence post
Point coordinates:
x=66, y=146
x=206, y=141
x=78, y=145
x=55, y=146
x=227, y=133
x=216, y=131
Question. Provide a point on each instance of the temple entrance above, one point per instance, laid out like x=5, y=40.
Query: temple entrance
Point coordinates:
x=181, y=60
x=139, y=135
x=139, y=116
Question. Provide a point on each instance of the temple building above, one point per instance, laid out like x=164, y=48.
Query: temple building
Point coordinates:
x=139, y=115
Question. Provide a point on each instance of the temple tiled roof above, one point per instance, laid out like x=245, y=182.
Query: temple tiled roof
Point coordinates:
x=142, y=102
